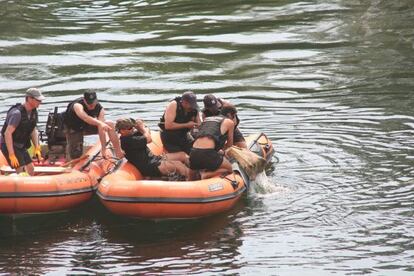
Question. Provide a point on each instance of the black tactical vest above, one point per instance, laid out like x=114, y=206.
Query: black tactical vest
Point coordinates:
x=72, y=120
x=211, y=128
x=23, y=131
x=181, y=116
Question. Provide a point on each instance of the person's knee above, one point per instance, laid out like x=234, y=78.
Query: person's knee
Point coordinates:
x=184, y=158
x=109, y=122
x=166, y=167
x=178, y=156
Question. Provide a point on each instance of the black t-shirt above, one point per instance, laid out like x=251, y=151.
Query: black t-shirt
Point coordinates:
x=137, y=152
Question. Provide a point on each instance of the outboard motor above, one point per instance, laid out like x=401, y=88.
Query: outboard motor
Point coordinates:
x=56, y=139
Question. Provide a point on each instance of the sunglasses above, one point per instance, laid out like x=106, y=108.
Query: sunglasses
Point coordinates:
x=39, y=101
x=119, y=130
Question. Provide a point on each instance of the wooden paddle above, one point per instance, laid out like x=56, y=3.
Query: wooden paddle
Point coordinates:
x=250, y=162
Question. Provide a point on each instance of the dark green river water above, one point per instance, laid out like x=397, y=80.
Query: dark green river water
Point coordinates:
x=330, y=82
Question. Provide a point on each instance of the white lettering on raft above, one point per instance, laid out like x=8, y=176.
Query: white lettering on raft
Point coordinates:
x=215, y=187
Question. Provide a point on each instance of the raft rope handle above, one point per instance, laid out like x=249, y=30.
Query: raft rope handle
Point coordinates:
x=84, y=166
x=115, y=164
x=234, y=183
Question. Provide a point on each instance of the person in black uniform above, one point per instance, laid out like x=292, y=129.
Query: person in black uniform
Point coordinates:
x=86, y=116
x=19, y=129
x=179, y=118
x=212, y=107
x=214, y=136
x=134, y=139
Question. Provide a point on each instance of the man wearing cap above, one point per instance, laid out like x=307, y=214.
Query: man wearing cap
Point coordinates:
x=180, y=117
x=19, y=130
x=86, y=116
x=134, y=139
x=212, y=107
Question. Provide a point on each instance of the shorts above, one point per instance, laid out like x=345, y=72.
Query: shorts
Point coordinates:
x=175, y=141
x=22, y=155
x=74, y=139
x=205, y=159
x=237, y=136
x=150, y=169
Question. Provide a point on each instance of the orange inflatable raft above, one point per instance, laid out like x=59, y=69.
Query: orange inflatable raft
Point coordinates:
x=124, y=192
x=53, y=187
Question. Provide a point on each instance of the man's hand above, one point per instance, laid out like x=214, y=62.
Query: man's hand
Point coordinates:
x=13, y=161
x=192, y=124
x=105, y=127
x=139, y=124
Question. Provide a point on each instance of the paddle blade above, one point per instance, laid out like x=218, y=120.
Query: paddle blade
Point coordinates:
x=250, y=162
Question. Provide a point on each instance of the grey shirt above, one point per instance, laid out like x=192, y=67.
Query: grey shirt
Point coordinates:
x=13, y=119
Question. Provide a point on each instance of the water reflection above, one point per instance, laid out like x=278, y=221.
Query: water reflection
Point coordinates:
x=173, y=247
x=103, y=243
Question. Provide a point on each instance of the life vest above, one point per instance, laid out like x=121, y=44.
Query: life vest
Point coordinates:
x=181, y=116
x=211, y=128
x=22, y=134
x=72, y=120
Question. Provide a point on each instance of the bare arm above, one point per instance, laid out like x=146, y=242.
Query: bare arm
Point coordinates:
x=8, y=136
x=142, y=128
x=77, y=107
x=35, y=137
x=198, y=118
x=170, y=113
x=225, y=103
x=102, y=129
x=101, y=115
x=228, y=126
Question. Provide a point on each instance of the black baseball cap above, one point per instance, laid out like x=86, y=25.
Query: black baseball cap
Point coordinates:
x=211, y=103
x=90, y=97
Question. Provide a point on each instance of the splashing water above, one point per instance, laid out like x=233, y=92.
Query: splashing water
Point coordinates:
x=262, y=185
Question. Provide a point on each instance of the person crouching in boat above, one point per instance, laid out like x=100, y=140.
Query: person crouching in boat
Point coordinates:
x=86, y=116
x=19, y=128
x=134, y=139
x=179, y=118
x=214, y=136
x=212, y=107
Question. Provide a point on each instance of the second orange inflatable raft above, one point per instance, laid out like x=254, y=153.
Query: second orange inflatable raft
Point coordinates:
x=53, y=188
x=124, y=192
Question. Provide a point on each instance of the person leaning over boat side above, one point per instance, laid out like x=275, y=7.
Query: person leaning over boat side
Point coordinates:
x=86, y=116
x=212, y=107
x=18, y=129
x=134, y=139
x=214, y=136
x=179, y=118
